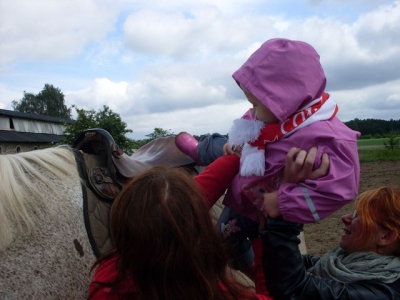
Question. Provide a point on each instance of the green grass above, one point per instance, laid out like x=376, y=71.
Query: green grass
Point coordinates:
x=380, y=154
x=370, y=150
x=372, y=143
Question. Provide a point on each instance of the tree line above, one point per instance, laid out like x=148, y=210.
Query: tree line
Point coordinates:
x=50, y=101
x=375, y=128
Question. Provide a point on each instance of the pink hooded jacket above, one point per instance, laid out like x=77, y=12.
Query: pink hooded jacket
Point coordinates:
x=285, y=75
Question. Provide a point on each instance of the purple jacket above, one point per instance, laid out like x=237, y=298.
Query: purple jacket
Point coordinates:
x=286, y=75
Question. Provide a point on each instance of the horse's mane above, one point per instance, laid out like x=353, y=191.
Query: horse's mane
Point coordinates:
x=20, y=197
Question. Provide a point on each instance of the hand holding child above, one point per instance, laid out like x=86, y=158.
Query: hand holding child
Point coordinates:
x=298, y=167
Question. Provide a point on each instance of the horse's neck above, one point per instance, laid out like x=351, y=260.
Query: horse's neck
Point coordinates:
x=22, y=199
x=54, y=260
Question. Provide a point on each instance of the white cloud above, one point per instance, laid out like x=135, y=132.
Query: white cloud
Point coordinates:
x=374, y=102
x=205, y=32
x=229, y=7
x=377, y=31
x=101, y=92
x=210, y=119
x=168, y=64
x=7, y=95
x=51, y=30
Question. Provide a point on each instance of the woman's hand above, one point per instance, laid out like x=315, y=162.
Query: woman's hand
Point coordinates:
x=299, y=166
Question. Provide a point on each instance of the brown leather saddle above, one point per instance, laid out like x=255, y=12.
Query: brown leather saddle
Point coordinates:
x=104, y=169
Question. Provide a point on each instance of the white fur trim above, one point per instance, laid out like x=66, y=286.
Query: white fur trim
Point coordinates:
x=252, y=161
x=244, y=131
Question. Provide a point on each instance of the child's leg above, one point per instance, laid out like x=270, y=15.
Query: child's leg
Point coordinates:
x=210, y=148
x=238, y=232
x=216, y=177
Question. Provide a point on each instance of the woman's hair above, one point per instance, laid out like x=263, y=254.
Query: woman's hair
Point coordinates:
x=376, y=208
x=166, y=241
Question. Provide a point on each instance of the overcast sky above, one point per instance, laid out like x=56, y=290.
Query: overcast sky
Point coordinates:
x=169, y=64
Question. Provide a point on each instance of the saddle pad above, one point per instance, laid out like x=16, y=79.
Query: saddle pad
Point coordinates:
x=96, y=211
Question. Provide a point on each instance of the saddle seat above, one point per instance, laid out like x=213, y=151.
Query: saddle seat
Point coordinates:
x=161, y=151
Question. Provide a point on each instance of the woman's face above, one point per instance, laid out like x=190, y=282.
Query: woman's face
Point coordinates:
x=350, y=239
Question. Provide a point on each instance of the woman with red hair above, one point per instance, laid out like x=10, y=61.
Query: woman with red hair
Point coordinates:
x=366, y=265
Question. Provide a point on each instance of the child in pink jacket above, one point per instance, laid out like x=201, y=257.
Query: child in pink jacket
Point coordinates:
x=285, y=83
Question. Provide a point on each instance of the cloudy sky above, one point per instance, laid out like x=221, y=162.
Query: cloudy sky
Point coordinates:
x=169, y=64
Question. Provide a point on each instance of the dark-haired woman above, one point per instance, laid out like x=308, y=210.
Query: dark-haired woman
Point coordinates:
x=166, y=246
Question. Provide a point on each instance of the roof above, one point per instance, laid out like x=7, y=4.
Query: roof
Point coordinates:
x=31, y=116
x=28, y=137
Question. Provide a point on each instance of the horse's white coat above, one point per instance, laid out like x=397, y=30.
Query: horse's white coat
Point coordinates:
x=42, y=232
x=45, y=263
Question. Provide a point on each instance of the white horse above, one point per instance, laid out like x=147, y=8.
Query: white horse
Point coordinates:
x=44, y=247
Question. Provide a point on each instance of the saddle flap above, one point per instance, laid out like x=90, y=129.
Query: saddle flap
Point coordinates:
x=101, y=181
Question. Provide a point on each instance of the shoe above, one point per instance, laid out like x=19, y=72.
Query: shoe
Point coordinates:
x=187, y=144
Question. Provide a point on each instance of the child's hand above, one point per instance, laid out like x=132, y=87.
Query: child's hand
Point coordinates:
x=271, y=204
x=267, y=203
x=232, y=149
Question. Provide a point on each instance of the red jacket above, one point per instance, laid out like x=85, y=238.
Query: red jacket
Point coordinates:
x=107, y=272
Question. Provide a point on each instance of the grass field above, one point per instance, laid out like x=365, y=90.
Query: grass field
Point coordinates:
x=372, y=143
x=375, y=150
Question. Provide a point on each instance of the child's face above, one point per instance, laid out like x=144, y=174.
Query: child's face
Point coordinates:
x=260, y=112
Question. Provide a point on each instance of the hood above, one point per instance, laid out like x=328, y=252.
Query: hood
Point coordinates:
x=284, y=75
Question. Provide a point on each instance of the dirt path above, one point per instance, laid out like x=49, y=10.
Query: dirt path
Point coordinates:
x=325, y=235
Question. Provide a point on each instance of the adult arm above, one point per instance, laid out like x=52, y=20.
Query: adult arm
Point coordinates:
x=286, y=270
x=316, y=198
x=217, y=176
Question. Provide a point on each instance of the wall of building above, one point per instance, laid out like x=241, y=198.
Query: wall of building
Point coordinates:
x=11, y=148
x=14, y=125
x=34, y=126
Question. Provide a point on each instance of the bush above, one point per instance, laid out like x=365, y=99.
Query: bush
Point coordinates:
x=393, y=142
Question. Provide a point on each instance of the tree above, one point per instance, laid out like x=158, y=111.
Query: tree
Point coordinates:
x=49, y=102
x=159, y=132
x=105, y=119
